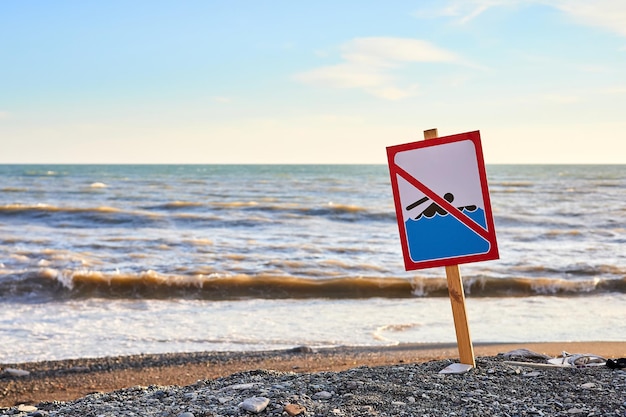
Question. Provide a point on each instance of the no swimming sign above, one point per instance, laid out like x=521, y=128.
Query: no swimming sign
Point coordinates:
x=442, y=201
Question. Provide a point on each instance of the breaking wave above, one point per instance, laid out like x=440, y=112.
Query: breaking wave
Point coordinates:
x=80, y=284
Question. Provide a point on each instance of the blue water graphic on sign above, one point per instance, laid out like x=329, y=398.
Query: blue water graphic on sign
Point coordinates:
x=444, y=236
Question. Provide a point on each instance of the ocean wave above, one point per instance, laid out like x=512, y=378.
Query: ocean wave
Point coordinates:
x=68, y=284
x=42, y=173
x=348, y=213
x=177, y=205
x=379, y=333
x=13, y=190
x=211, y=220
x=519, y=184
x=332, y=211
x=579, y=269
x=78, y=216
x=544, y=224
x=212, y=211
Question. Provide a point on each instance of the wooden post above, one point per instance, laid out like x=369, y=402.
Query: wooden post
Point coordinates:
x=457, y=299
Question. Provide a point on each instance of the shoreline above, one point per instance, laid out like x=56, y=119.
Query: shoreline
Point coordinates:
x=71, y=379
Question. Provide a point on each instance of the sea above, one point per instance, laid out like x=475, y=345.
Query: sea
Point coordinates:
x=103, y=260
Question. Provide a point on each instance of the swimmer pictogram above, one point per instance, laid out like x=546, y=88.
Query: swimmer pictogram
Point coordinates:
x=433, y=208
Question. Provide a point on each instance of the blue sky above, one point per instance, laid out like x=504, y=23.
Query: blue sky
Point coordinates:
x=309, y=82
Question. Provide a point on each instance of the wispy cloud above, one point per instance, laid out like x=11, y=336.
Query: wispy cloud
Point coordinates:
x=369, y=63
x=385, y=51
x=463, y=11
x=607, y=14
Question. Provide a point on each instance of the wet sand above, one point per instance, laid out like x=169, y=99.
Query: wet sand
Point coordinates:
x=72, y=379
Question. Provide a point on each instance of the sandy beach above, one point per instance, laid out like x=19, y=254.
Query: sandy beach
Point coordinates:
x=69, y=380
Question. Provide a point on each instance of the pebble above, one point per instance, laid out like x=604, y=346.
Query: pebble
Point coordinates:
x=322, y=395
x=238, y=387
x=294, y=409
x=26, y=408
x=255, y=404
x=16, y=372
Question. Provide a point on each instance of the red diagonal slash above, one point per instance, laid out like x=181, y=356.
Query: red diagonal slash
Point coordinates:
x=458, y=214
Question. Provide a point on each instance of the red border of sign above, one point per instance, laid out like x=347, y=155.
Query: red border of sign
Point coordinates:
x=489, y=234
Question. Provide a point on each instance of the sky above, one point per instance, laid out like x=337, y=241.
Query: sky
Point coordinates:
x=255, y=81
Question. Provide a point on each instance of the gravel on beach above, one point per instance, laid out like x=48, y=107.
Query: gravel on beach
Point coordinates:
x=496, y=387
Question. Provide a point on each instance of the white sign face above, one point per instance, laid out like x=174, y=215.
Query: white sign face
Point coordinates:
x=442, y=201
